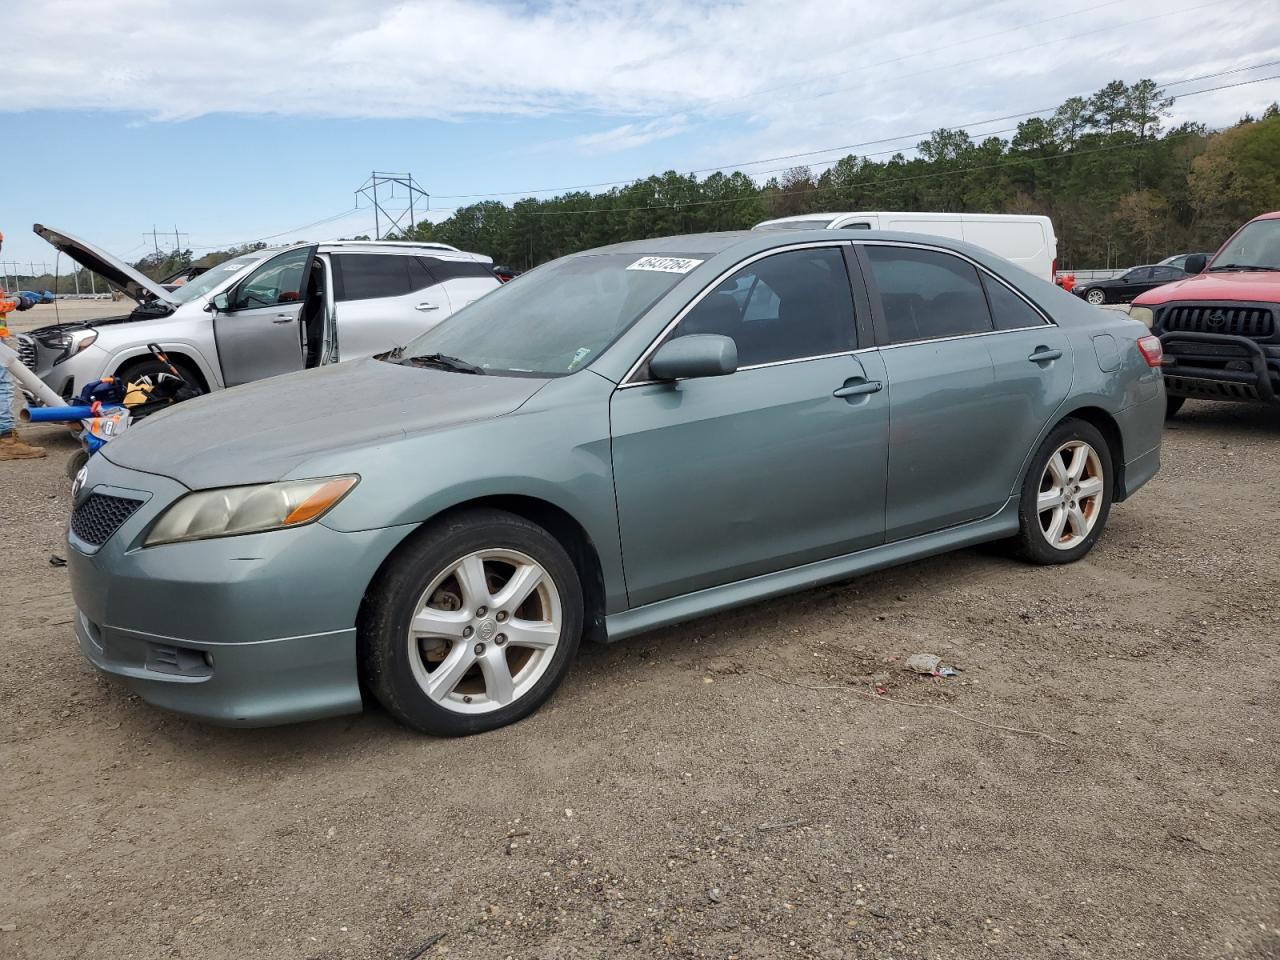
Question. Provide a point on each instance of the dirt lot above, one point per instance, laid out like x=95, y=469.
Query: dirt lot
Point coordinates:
x=690, y=793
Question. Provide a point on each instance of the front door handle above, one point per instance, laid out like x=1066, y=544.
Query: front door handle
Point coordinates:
x=284, y=318
x=1044, y=355
x=858, y=388
x=427, y=306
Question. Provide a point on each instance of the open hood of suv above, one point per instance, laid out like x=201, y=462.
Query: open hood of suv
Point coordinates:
x=110, y=268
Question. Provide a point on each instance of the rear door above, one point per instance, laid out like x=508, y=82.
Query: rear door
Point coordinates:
x=259, y=334
x=966, y=400
x=384, y=300
x=465, y=280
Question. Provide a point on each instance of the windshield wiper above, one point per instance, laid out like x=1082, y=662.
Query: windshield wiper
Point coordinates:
x=1242, y=266
x=444, y=362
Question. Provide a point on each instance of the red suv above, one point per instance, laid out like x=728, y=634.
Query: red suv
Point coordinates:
x=1221, y=327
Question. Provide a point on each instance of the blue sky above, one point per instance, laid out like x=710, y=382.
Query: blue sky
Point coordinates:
x=243, y=120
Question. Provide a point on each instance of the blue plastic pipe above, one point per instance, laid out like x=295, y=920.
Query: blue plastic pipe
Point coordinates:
x=60, y=414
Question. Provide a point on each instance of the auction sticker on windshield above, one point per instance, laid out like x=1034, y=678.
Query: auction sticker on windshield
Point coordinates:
x=665, y=264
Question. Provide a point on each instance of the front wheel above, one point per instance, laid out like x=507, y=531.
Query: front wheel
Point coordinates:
x=1066, y=495
x=1096, y=297
x=1172, y=405
x=473, y=624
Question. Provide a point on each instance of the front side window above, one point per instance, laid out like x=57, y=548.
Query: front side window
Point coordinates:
x=785, y=307
x=214, y=276
x=927, y=295
x=277, y=281
x=555, y=319
x=1138, y=273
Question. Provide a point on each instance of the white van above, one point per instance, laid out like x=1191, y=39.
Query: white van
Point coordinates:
x=1025, y=240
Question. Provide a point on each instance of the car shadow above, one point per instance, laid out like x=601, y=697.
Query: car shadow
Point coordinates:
x=1228, y=419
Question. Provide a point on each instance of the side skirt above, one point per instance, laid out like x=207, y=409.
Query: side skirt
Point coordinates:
x=618, y=626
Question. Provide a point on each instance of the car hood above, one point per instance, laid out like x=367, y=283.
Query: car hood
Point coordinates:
x=259, y=432
x=1255, y=286
x=110, y=268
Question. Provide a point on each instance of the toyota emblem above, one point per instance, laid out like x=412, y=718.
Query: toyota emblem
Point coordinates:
x=1217, y=318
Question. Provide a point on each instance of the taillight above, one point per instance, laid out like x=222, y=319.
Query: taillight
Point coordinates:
x=1152, y=350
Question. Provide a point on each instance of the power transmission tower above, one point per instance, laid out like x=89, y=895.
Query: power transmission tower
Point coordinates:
x=155, y=239
x=387, y=183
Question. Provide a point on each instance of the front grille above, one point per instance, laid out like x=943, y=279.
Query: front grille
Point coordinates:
x=95, y=520
x=27, y=352
x=1255, y=322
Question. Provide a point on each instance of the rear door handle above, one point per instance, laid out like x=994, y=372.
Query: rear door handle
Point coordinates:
x=284, y=318
x=1044, y=354
x=427, y=306
x=859, y=388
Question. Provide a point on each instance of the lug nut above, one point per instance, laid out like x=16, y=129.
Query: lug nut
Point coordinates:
x=467, y=631
x=502, y=615
x=481, y=611
x=479, y=649
x=500, y=639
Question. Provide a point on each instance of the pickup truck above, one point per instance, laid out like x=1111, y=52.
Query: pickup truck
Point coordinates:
x=1220, y=327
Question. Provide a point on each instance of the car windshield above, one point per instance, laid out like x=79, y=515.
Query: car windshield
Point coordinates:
x=214, y=276
x=555, y=319
x=1257, y=245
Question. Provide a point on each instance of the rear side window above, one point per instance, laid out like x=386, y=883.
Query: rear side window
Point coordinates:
x=788, y=306
x=926, y=295
x=444, y=270
x=370, y=276
x=1008, y=310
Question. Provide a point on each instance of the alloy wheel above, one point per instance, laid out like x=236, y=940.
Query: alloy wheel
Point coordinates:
x=1096, y=297
x=1070, y=496
x=485, y=631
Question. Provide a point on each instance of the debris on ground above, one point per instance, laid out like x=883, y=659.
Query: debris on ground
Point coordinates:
x=929, y=665
x=57, y=561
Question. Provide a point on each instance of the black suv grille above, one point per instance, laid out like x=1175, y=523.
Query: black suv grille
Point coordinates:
x=27, y=352
x=1255, y=322
x=95, y=520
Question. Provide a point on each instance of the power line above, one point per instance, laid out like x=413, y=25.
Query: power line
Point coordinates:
x=844, y=147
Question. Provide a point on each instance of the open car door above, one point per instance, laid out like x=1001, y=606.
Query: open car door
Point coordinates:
x=257, y=323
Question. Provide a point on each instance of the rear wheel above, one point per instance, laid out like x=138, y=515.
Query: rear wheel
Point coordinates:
x=473, y=625
x=1172, y=405
x=1066, y=495
x=1096, y=297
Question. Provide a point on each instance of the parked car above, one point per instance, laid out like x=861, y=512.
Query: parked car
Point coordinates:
x=1128, y=285
x=1027, y=241
x=1220, y=326
x=261, y=314
x=1179, y=260
x=626, y=438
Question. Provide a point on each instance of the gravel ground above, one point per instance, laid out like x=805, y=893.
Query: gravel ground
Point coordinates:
x=727, y=788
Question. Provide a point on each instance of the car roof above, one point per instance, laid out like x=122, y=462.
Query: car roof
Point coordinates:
x=747, y=242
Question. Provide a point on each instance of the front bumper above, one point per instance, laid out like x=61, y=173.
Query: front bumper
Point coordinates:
x=1220, y=366
x=247, y=631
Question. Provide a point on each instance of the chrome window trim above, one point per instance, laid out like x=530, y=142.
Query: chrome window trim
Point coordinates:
x=721, y=278
x=1048, y=320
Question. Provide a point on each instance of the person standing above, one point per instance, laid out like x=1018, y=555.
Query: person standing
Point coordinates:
x=11, y=445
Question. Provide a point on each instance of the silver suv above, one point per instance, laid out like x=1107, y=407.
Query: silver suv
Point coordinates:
x=260, y=314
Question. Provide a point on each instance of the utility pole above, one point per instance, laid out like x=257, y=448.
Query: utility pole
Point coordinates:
x=395, y=219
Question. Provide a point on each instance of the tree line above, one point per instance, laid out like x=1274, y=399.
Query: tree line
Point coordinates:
x=1120, y=188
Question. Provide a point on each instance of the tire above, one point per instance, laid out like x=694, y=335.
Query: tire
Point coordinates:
x=150, y=367
x=75, y=462
x=1172, y=405
x=1095, y=297
x=1079, y=532
x=447, y=678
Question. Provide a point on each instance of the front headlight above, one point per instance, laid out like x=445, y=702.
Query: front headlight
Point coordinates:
x=1144, y=315
x=68, y=342
x=230, y=511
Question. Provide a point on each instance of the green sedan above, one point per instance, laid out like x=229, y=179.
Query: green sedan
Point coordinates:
x=616, y=441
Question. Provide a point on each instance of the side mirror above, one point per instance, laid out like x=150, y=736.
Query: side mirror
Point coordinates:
x=1196, y=263
x=219, y=304
x=695, y=355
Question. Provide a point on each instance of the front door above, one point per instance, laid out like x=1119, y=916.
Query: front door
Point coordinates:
x=724, y=478
x=968, y=395
x=259, y=333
